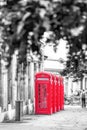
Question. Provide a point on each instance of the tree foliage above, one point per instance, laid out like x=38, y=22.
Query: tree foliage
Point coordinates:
x=26, y=21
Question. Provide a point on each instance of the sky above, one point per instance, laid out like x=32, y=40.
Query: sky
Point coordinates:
x=61, y=51
x=60, y=54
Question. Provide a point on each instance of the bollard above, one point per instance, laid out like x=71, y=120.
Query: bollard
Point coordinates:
x=19, y=110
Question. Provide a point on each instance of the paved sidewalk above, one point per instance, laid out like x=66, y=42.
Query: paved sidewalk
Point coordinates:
x=71, y=118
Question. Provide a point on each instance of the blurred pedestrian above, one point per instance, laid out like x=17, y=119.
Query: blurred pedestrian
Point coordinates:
x=83, y=98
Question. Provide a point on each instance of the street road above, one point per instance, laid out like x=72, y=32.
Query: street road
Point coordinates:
x=71, y=118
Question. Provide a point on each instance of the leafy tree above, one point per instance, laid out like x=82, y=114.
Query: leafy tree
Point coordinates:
x=28, y=20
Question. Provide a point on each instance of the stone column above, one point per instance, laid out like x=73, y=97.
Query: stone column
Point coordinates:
x=14, y=82
x=26, y=84
x=31, y=81
x=9, y=85
x=5, y=88
x=1, y=87
x=66, y=86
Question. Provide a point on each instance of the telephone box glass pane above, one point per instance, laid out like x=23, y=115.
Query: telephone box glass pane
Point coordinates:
x=42, y=95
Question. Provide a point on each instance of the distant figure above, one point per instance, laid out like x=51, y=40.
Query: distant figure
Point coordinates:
x=83, y=98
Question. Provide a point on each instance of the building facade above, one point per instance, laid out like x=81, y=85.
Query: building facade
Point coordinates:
x=17, y=86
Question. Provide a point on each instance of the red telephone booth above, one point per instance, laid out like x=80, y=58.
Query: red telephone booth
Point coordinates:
x=43, y=93
x=54, y=93
x=52, y=84
x=58, y=91
x=57, y=94
x=62, y=85
x=61, y=94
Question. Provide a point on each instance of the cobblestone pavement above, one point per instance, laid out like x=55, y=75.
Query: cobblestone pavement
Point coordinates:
x=71, y=118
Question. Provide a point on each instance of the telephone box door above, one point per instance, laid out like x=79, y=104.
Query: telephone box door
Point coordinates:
x=43, y=96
